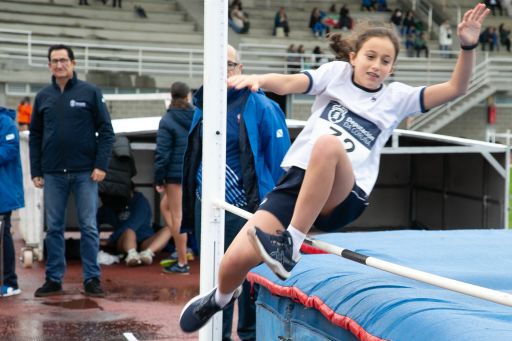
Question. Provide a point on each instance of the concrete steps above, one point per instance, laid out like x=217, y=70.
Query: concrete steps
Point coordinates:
x=169, y=14
x=33, y=21
x=65, y=33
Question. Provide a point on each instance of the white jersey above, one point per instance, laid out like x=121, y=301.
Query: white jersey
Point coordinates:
x=361, y=118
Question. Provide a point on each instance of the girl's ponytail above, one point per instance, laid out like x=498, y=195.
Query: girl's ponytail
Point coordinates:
x=341, y=46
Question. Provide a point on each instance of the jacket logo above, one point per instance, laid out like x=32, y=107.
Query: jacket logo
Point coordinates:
x=9, y=137
x=77, y=104
x=279, y=133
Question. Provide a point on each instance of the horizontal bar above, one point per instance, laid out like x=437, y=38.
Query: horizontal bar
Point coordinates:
x=421, y=276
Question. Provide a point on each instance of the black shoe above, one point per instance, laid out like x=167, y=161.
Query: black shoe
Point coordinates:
x=276, y=250
x=200, y=310
x=177, y=269
x=93, y=288
x=49, y=288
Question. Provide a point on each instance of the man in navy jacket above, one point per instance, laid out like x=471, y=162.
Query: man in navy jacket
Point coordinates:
x=67, y=156
x=11, y=196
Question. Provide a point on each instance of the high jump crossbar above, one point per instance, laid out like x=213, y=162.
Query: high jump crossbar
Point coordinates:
x=421, y=276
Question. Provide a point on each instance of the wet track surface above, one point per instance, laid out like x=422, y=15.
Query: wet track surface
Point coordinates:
x=142, y=301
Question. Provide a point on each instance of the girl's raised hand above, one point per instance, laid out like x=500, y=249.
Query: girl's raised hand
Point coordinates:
x=468, y=29
x=244, y=81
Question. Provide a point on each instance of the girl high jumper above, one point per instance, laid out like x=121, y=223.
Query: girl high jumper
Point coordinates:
x=333, y=164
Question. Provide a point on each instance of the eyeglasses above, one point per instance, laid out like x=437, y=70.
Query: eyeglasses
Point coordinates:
x=232, y=65
x=62, y=61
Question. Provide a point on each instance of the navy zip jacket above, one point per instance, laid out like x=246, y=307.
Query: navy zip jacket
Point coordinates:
x=11, y=181
x=64, y=126
x=171, y=141
x=263, y=142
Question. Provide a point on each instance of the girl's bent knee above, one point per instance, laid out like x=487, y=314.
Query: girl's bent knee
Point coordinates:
x=328, y=145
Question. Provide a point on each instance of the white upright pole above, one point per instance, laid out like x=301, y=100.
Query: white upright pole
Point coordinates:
x=214, y=151
x=507, y=183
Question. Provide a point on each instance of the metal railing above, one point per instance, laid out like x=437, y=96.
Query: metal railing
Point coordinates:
x=436, y=14
x=19, y=46
x=21, y=49
x=493, y=72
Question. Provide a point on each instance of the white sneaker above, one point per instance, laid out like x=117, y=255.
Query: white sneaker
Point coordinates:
x=146, y=256
x=6, y=290
x=132, y=258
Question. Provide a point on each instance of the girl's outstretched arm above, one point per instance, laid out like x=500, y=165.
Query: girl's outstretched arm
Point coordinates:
x=277, y=83
x=468, y=32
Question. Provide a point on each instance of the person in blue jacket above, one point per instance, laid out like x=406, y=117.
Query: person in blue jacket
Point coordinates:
x=256, y=142
x=11, y=196
x=71, y=140
x=171, y=141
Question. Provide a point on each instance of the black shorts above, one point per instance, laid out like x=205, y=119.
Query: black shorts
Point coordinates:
x=281, y=203
x=173, y=180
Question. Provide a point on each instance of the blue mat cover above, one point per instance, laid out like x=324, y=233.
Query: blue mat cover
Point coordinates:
x=371, y=304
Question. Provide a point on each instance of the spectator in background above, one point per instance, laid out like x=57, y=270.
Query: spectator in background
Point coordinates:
x=504, y=36
x=133, y=230
x=331, y=17
x=281, y=20
x=368, y=5
x=493, y=4
x=418, y=26
x=317, y=58
x=409, y=45
x=24, y=113
x=292, y=59
x=171, y=141
x=345, y=22
x=300, y=49
x=71, y=156
x=494, y=39
x=408, y=24
x=300, y=56
x=485, y=38
x=83, y=2
x=140, y=11
x=11, y=197
x=396, y=19
x=382, y=6
x=118, y=3
x=239, y=21
x=317, y=51
x=420, y=44
x=445, y=38
x=256, y=141
x=316, y=22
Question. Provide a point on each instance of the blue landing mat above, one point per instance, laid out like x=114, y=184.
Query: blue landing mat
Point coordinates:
x=350, y=300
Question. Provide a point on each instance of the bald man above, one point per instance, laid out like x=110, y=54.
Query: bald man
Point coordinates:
x=256, y=142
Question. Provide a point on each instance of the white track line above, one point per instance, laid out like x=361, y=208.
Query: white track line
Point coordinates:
x=130, y=337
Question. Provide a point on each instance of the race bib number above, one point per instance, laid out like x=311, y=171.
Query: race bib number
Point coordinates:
x=357, y=134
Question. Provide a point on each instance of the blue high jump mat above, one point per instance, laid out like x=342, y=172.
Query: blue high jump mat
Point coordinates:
x=332, y=298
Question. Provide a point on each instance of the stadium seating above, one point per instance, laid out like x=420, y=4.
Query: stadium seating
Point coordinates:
x=124, y=53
